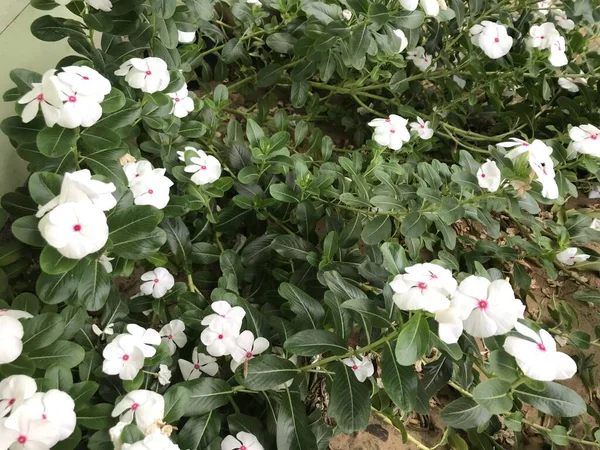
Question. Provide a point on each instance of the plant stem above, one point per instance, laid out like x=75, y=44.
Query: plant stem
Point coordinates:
x=280, y=224
x=191, y=286
x=389, y=421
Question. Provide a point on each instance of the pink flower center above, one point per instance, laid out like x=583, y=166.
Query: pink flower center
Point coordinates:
x=422, y=126
x=249, y=355
x=176, y=99
x=354, y=367
x=150, y=191
x=22, y=439
x=483, y=175
x=72, y=98
x=388, y=120
x=44, y=416
x=170, y=337
x=12, y=401
x=541, y=37
x=40, y=98
x=137, y=175
x=496, y=40
x=432, y=276
x=148, y=72
x=3, y=310
x=392, y=131
x=243, y=447
x=197, y=366
x=85, y=78
x=426, y=59
x=135, y=406
x=422, y=286
x=156, y=281
x=222, y=315
x=125, y=357
x=594, y=137
x=525, y=144
x=542, y=347
x=220, y=336
x=203, y=167
x=482, y=304
x=77, y=227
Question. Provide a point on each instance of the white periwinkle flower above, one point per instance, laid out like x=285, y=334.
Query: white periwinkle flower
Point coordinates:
x=108, y=330
x=149, y=74
x=45, y=96
x=157, y=282
x=450, y=324
x=105, y=262
x=246, y=348
x=347, y=14
x=586, y=139
x=11, y=345
x=182, y=102
x=569, y=256
x=420, y=58
x=539, y=359
x=173, y=335
x=570, y=84
x=422, y=128
x=561, y=19
x=362, y=368
x=205, y=168
x=241, y=441
x=55, y=406
x=152, y=189
x=86, y=81
x=595, y=192
x=122, y=357
x=549, y=187
x=115, y=434
x=489, y=176
x=391, y=132
x=411, y=5
x=558, y=57
x=492, y=38
x=423, y=286
x=146, y=407
x=254, y=2
x=542, y=36
x=219, y=337
x=164, y=375
x=143, y=338
x=154, y=441
x=14, y=390
x=24, y=433
x=403, y=40
x=79, y=109
x=459, y=81
x=225, y=313
x=186, y=37
x=595, y=225
x=431, y=7
x=200, y=363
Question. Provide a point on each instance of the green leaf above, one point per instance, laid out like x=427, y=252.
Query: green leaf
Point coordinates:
x=349, y=402
x=266, y=372
x=136, y=383
x=26, y=302
x=413, y=225
x=54, y=289
x=342, y=318
x=199, y=432
x=133, y=232
x=96, y=417
x=315, y=342
x=254, y=133
x=94, y=285
x=323, y=12
x=82, y=393
x=192, y=129
x=205, y=253
x=258, y=251
x=394, y=257
x=114, y=101
x=20, y=366
x=413, y=341
x=299, y=93
x=54, y=263
x=341, y=287
x=21, y=132
x=121, y=117
x=369, y=310
x=176, y=402
x=554, y=399
x=41, y=331
x=25, y=229
x=233, y=50
x=65, y=353
x=377, y=230
x=559, y=435
x=309, y=312
x=281, y=42
x=409, y=20
x=360, y=6
x=493, y=395
x=74, y=318
x=464, y=413
x=100, y=138
x=293, y=431
x=178, y=239
x=283, y=193
x=44, y=186
x=399, y=382
x=58, y=377
x=206, y=394
x=292, y=247
x=10, y=253
x=131, y=434
x=56, y=141
x=359, y=42
x=504, y=365
x=269, y=75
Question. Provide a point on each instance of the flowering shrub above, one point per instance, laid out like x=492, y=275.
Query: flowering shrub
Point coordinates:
x=252, y=224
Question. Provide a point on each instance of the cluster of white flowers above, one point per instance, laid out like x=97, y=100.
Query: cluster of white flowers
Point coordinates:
x=492, y=38
x=70, y=98
x=33, y=420
x=393, y=132
x=482, y=308
x=11, y=334
x=149, y=186
x=546, y=36
x=205, y=168
x=102, y=5
x=74, y=222
x=149, y=74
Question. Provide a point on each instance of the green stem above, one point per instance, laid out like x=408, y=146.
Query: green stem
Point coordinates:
x=280, y=224
x=191, y=286
x=389, y=421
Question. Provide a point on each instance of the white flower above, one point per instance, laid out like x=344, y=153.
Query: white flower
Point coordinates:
x=122, y=357
x=157, y=282
x=182, y=102
x=149, y=74
x=152, y=189
x=14, y=390
x=515, y=142
x=489, y=176
x=411, y=5
x=595, y=192
x=459, y=81
x=450, y=324
x=206, y=168
x=108, y=331
x=422, y=128
x=549, y=187
x=86, y=81
x=115, y=434
x=542, y=36
x=569, y=256
x=219, y=337
x=225, y=313
x=164, y=375
x=541, y=162
x=186, y=37
x=391, y=132
x=11, y=345
x=173, y=335
x=244, y=441
x=78, y=109
x=347, y=14
x=154, y=441
x=423, y=286
x=419, y=58
x=595, y=224
x=134, y=171
x=146, y=407
x=539, y=360
x=362, y=368
x=200, y=363
x=55, y=406
x=562, y=20
x=586, y=139
x=430, y=7
x=570, y=84
x=197, y=152
x=492, y=38
x=246, y=348
x=403, y=40
x=102, y=5
x=27, y=434
x=543, y=7
x=75, y=229
x=105, y=262
x=558, y=57
x=143, y=338
x=44, y=95
x=15, y=313
x=254, y=2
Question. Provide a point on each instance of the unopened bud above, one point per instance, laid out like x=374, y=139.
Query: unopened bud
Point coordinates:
x=126, y=159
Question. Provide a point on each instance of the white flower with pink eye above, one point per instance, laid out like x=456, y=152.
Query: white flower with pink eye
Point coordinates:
x=347, y=14
x=539, y=359
x=182, y=102
x=488, y=176
x=14, y=390
x=246, y=348
x=492, y=38
x=143, y=406
x=241, y=441
x=586, y=139
x=219, y=337
x=11, y=335
x=55, y=406
x=362, y=368
x=86, y=81
x=173, y=335
x=431, y=7
x=122, y=357
x=549, y=187
x=149, y=74
x=115, y=435
x=157, y=282
x=561, y=19
x=543, y=7
x=45, y=96
x=144, y=339
x=225, y=313
x=155, y=440
x=403, y=40
x=27, y=434
x=542, y=36
x=450, y=324
x=134, y=171
x=164, y=375
x=569, y=256
x=558, y=57
x=152, y=190
x=206, y=168
x=420, y=58
x=391, y=132
x=186, y=37
x=200, y=363
x=78, y=109
x=410, y=5
x=181, y=153
x=423, y=286
x=422, y=128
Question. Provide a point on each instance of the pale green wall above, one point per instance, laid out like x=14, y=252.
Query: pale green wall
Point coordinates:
x=18, y=48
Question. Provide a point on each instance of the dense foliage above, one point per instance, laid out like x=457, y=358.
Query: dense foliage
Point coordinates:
x=302, y=188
